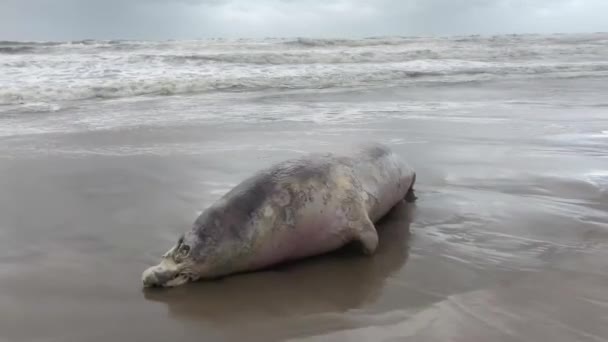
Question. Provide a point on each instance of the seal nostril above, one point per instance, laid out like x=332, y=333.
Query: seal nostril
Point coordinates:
x=150, y=280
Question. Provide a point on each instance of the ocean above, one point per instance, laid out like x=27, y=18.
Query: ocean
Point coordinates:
x=110, y=149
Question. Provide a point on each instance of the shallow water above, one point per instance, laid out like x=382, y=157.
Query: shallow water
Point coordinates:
x=508, y=240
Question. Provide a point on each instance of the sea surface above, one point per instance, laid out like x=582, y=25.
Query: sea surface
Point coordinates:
x=110, y=149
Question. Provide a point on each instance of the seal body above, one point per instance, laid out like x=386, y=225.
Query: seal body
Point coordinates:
x=294, y=209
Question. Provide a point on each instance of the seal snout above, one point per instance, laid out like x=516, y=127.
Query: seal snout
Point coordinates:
x=157, y=276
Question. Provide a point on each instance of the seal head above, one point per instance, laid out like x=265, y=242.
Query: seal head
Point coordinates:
x=175, y=268
x=207, y=250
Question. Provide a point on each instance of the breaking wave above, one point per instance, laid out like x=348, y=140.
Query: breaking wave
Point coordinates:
x=295, y=78
x=42, y=72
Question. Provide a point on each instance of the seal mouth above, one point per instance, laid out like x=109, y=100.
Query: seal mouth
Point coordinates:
x=179, y=279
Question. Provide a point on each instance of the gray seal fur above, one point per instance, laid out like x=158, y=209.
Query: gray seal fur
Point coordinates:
x=294, y=209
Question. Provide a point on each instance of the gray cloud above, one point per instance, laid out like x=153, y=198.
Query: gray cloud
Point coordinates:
x=187, y=19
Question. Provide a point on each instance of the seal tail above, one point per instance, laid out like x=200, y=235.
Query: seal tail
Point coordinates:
x=410, y=196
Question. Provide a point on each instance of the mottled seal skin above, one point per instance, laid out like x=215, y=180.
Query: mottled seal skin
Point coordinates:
x=294, y=209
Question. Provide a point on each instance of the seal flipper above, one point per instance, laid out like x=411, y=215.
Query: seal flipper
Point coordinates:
x=367, y=236
x=410, y=196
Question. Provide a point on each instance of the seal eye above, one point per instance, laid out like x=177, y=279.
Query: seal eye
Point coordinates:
x=184, y=250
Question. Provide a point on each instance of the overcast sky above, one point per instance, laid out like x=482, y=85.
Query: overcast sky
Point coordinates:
x=187, y=19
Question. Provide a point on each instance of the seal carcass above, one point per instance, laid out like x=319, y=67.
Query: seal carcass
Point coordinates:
x=294, y=209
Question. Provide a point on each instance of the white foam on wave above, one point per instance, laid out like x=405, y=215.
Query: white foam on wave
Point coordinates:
x=65, y=71
x=105, y=81
x=127, y=113
x=588, y=138
x=598, y=178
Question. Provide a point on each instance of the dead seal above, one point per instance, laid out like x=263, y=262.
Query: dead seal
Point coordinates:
x=294, y=209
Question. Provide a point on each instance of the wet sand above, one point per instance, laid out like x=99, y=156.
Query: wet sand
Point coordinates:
x=507, y=242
